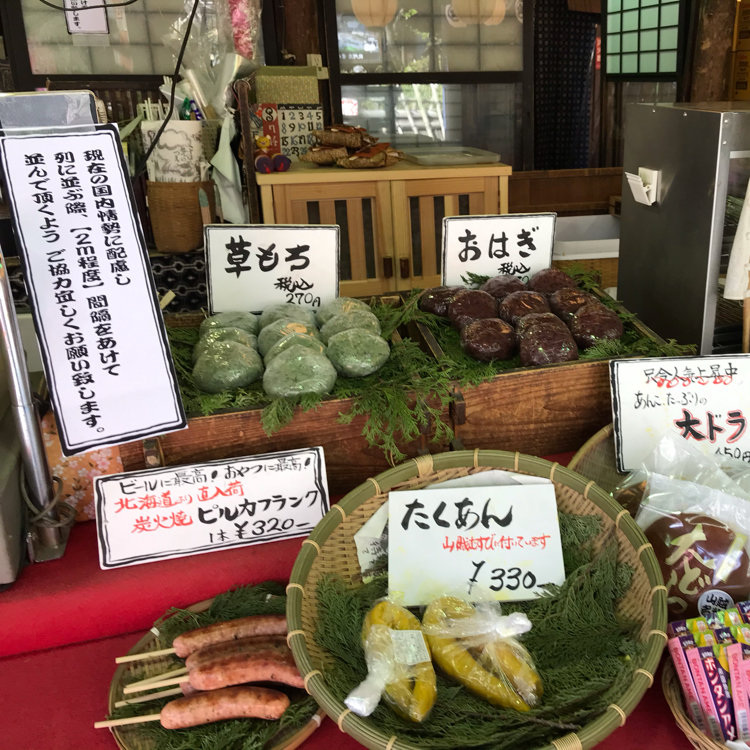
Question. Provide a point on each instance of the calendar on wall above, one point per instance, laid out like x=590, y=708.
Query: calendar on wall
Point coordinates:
x=289, y=126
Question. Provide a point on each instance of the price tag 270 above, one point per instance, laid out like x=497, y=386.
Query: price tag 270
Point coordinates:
x=481, y=543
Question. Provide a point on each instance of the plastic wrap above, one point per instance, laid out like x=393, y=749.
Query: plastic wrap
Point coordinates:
x=478, y=646
x=280, y=328
x=399, y=668
x=543, y=338
x=471, y=304
x=488, y=339
x=501, y=286
x=357, y=353
x=295, y=339
x=337, y=306
x=226, y=366
x=549, y=280
x=224, y=44
x=698, y=521
x=515, y=305
x=299, y=371
x=565, y=302
x=216, y=335
x=437, y=300
x=290, y=311
x=246, y=320
x=361, y=319
x=594, y=322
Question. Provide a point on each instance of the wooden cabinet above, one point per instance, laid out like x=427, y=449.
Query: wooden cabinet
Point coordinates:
x=390, y=219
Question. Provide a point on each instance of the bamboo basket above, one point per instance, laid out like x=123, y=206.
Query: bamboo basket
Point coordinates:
x=131, y=737
x=596, y=460
x=330, y=549
x=670, y=685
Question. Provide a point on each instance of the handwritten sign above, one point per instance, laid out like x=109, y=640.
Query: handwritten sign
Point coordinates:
x=82, y=19
x=481, y=543
x=514, y=244
x=173, y=512
x=705, y=400
x=253, y=266
x=100, y=330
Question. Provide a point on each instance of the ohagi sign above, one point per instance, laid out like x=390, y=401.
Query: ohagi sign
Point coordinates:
x=100, y=331
x=477, y=543
x=514, y=244
x=153, y=515
x=251, y=267
x=705, y=400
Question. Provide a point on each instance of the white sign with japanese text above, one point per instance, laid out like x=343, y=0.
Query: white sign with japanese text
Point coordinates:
x=705, y=400
x=82, y=19
x=96, y=314
x=514, y=244
x=476, y=543
x=187, y=510
x=253, y=266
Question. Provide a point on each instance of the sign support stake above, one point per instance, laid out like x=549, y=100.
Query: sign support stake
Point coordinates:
x=47, y=541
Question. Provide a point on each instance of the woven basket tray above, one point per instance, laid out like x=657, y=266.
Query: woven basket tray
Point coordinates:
x=131, y=737
x=596, y=460
x=670, y=684
x=330, y=549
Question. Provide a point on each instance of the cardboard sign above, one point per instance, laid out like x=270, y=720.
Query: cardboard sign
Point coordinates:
x=81, y=19
x=100, y=330
x=514, y=244
x=705, y=400
x=289, y=126
x=154, y=515
x=253, y=266
x=479, y=543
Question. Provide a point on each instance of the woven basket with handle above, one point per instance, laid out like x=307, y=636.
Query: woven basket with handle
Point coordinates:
x=330, y=549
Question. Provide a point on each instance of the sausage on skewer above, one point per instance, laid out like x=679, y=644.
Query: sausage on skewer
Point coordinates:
x=238, y=702
x=229, y=630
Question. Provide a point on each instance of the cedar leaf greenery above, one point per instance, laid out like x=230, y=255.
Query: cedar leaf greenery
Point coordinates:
x=584, y=650
x=408, y=398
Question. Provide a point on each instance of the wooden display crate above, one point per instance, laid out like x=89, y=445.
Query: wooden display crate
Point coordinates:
x=537, y=411
x=233, y=433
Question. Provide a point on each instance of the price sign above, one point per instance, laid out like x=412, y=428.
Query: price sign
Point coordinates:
x=705, y=400
x=251, y=267
x=173, y=512
x=481, y=543
x=514, y=244
x=96, y=315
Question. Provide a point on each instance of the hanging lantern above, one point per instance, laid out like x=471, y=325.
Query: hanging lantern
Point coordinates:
x=488, y=12
x=375, y=12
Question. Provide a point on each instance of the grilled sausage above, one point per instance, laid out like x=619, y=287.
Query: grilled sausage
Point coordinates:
x=268, y=665
x=242, y=627
x=229, y=648
x=228, y=703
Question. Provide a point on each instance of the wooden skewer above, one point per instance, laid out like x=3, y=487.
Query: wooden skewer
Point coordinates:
x=136, y=688
x=144, y=655
x=149, y=697
x=127, y=720
x=158, y=677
